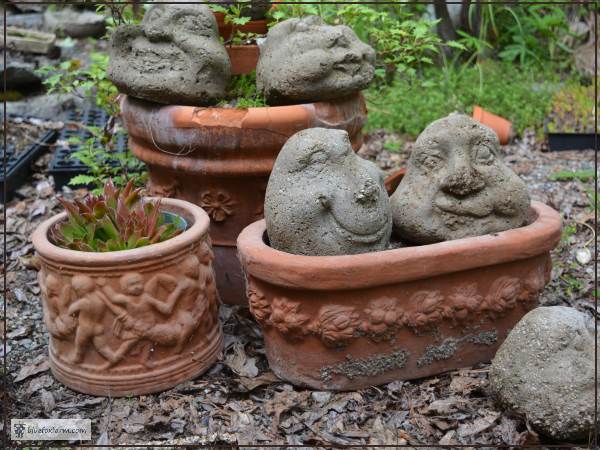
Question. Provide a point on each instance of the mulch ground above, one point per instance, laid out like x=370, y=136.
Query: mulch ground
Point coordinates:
x=240, y=401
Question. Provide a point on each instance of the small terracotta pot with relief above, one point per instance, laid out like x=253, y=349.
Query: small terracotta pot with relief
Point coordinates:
x=221, y=159
x=134, y=321
x=352, y=321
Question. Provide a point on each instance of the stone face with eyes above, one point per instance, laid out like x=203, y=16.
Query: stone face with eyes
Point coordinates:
x=307, y=60
x=323, y=199
x=173, y=57
x=457, y=186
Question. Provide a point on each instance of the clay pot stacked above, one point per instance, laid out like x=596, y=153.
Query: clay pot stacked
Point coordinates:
x=220, y=158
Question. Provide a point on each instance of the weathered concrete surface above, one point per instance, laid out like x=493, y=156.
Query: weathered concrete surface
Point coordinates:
x=457, y=186
x=323, y=199
x=545, y=371
x=307, y=60
x=174, y=57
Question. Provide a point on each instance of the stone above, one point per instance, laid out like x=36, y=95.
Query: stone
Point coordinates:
x=323, y=199
x=456, y=185
x=544, y=370
x=76, y=24
x=45, y=106
x=20, y=74
x=255, y=9
x=173, y=57
x=305, y=60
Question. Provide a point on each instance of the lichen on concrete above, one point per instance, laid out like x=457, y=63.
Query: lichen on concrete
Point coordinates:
x=367, y=367
x=449, y=346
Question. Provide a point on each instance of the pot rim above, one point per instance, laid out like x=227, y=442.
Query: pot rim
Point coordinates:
x=199, y=227
x=396, y=265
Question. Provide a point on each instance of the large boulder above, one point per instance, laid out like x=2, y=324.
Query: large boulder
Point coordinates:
x=545, y=372
x=305, y=60
x=456, y=185
x=77, y=24
x=323, y=199
x=173, y=57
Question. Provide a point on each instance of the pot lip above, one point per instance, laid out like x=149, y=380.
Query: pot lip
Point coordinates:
x=396, y=265
x=48, y=250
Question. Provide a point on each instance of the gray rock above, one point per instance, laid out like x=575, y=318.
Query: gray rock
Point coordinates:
x=323, y=199
x=255, y=9
x=173, y=57
x=76, y=24
x=545, y=371
x=456, y=185
x=20, y=74
x=307, y=60
x=46, y=106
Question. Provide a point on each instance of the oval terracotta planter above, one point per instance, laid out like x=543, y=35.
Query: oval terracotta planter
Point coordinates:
x=348, y=322
x=501, y=126
x=392, y=181
x=244, y=58
x=135, y=321
x=221, y=159
x=259, y=26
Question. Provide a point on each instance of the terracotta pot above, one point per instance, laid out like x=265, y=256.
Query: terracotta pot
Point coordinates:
x=393, y=180
x=501, y=126
x=352, y=321
x=221, y=159
x=244, y=58
x=260, y=26
x=116, y=327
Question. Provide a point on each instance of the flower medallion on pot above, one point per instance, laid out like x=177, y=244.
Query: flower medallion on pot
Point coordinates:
x=429, y=309
x=502, y=296
x=218, y=205
x=336, y=325
x=287, y=319
x=462, y=303
x=384, y=317
x=259, y=305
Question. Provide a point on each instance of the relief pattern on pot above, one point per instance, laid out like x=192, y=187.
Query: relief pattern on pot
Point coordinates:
x=218, y=205
x=131, y=315
x=382, y=318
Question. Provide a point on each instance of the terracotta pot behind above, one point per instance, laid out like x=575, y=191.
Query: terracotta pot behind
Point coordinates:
x=131, y=322
x=221, y=159
x=244, y=58
x=348, y=322
x=501, y=126
x=226, y=30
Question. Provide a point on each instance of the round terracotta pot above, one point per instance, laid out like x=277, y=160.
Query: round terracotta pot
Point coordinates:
x=221, y=159
x=501, y=126
x=244, y=58
x=226, y=30
x=135, y=321
x=392, y=181
x=352, y=321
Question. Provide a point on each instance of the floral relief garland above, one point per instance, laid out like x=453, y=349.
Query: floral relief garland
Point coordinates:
x=337, y=325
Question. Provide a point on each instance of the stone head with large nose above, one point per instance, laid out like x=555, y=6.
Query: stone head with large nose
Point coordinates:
x=308, y=60
x=323, y=199
x=457, y=186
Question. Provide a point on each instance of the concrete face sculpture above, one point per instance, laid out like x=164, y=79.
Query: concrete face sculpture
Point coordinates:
x=545, y=371
x=457, y=186
x=173, y=57
x=307, y=60
x=322, y=199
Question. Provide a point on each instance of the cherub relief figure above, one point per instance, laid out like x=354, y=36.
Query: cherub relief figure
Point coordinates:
x=56, y=308
x=90, y=310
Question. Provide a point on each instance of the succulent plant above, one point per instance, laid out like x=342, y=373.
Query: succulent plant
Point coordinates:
x=572, y=110
x=114, y=220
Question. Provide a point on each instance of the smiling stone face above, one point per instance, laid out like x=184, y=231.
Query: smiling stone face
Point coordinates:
x=173, y=57
x=307, y=60
x=323, y=199
x=456, y=185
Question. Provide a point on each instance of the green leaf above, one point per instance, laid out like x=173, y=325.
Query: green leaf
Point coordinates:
x=81, y=180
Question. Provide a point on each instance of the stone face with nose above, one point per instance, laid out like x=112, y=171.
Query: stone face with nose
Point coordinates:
x=323, y=199
x=457, y=186
x=174, y=56
x=307, y=60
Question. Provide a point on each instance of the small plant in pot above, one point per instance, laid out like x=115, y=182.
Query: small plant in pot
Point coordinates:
x=128, y=292
x=202, y=144
x=342, y=306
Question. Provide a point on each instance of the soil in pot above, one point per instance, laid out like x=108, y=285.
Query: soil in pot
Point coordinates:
x=135, y=321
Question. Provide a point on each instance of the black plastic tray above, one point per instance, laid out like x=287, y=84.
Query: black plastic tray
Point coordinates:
x=18, y=167
x=570, y=141
x=63, y=166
